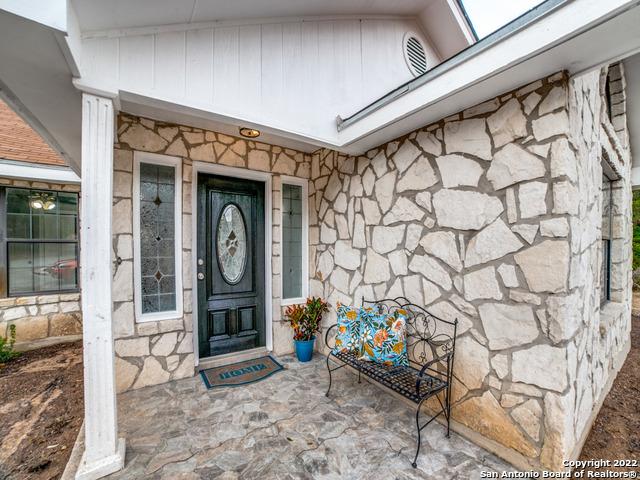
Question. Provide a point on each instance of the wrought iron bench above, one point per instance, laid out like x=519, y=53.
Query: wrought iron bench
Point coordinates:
x=430, y=347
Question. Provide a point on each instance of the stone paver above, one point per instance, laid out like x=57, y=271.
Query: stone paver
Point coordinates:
x=285, y=428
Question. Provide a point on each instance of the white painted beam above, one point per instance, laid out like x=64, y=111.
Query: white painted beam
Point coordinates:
x=45, y=173
x=104, y=451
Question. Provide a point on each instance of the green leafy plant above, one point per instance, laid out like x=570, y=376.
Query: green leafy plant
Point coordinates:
x=636, y=238
x=306, y=319
x=6, y=346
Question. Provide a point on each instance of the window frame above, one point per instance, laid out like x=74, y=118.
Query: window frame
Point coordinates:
x=176, y=163
x=5, y=241
x=607, y=243
x=304, y=183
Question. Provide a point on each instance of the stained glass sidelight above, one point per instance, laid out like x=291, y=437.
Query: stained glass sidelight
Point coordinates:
x=231, y=244
x=291, y=241
x=157, y=237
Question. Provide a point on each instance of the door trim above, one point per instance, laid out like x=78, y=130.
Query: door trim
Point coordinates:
x=241, y=173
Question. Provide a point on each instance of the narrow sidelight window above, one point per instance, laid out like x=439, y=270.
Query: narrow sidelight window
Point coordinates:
x=294, y=241
x=40, y=241
x=605, y=284
x=157, y=237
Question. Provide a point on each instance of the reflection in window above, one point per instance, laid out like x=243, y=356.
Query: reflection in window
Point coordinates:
x=605, y=284
x=157, y=238
x=41, y=241
x=291, y=241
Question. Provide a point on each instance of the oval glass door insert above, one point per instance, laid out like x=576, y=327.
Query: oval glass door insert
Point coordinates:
x=232, y=244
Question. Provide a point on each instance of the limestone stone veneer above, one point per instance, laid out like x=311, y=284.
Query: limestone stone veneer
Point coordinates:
x=491, y=216
x=150, y=353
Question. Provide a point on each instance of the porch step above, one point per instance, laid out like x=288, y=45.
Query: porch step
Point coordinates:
x=229, y=358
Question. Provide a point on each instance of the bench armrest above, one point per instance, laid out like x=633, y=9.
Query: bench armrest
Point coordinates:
x=421, y=375
x=326, y=337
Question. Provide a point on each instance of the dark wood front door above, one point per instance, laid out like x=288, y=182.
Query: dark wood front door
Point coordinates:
x=230, y=265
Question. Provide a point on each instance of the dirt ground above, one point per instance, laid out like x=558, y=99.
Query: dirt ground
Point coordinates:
x=615, y=434
x=41, y=410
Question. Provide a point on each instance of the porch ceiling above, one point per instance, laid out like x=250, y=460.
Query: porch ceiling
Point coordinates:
x=101, y=15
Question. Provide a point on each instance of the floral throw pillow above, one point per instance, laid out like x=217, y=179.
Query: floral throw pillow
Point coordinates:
x=383, y=338
x=348, y=336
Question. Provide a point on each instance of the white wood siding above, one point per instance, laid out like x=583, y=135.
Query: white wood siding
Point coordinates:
x=295, y=75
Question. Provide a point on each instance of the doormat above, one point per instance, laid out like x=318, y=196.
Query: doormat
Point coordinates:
x=240, y=373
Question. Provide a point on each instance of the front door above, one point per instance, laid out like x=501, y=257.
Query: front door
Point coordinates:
x=230, y=265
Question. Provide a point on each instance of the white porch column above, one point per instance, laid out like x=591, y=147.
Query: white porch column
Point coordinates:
x=104, y=452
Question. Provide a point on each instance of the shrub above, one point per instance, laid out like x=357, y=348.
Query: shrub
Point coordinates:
x=6, y=346
x=636, y=236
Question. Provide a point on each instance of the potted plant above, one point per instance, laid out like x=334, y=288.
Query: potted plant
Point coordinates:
x=306, y=322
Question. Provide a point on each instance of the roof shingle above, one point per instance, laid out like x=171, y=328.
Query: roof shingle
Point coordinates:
x=18, y=141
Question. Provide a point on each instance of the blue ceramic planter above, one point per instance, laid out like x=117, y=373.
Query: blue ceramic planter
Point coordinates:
x=304, y=349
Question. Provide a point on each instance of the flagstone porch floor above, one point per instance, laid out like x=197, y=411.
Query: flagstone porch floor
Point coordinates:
x=284, y=427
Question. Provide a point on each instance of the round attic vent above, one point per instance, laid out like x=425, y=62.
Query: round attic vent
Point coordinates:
x=414, y=54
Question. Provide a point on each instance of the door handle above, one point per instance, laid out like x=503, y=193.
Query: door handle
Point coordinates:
x=200, y=276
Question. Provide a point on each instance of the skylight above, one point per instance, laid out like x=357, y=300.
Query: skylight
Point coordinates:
x=487, y=16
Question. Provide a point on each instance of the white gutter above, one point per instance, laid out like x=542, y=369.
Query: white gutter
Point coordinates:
x=40, y=172
x=510, y=29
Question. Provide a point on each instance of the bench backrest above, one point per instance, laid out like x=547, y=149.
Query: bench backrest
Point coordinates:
x=428, y=337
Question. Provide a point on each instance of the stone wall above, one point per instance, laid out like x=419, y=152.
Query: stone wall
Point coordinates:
x=598, y=335
x=150, y=353
x=491, y=216
x=482, y=218
x=43, y=318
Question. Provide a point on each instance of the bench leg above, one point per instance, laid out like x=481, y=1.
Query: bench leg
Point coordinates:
x=359, y=376
x=329, y=369
x=447, y=405
x=415, y=460
x=447, y=398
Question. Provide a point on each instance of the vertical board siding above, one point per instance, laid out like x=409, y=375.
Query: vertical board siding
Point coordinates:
x=273, y=73
x=199, y=65
x=136, y=55
x=271, y=68
x=348, y=61
x=292, y=70
x=170, y=64
x=250, y=48
x=226, y=68
x=311, y=70
x=381, y=40
x=100, y=59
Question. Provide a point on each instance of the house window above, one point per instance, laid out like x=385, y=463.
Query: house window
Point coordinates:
x=605, y=284
x=39, y=236
x=294, y=241
x=157, y=237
